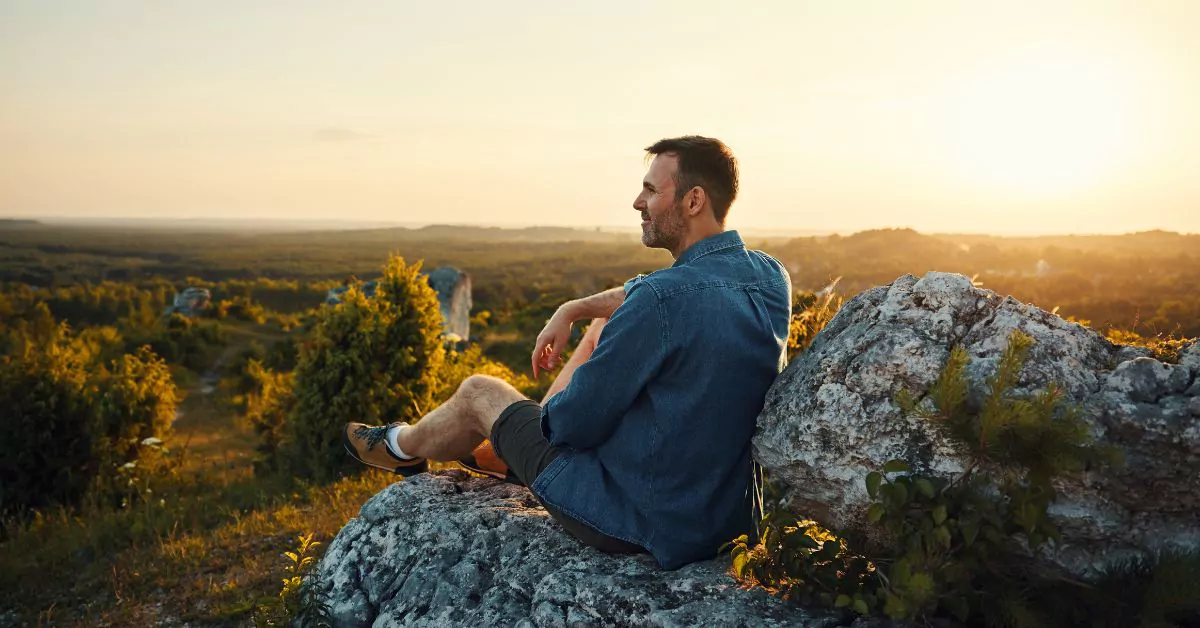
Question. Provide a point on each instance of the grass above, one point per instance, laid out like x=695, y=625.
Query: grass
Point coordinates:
x=203, y=547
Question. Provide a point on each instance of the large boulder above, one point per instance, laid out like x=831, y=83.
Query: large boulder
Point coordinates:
x=445, y=549
x=831, y=417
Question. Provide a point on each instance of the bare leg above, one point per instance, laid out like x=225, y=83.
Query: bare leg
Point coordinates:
x=456, y=427
x=587, y=346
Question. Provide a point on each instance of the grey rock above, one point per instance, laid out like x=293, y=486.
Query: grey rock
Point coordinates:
x=1189, y=356
x=831, y=417
x=445, y=549
x=453, y=288
x=1147, y=380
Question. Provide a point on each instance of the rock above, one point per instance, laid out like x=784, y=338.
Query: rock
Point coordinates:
x=445, y=549
x=453, y=288
x=831, y=417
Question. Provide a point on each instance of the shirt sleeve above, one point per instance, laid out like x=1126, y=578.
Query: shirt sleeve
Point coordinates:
x=629, y=353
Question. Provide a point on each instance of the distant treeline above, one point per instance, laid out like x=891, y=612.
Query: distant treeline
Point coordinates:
x=1148, y=281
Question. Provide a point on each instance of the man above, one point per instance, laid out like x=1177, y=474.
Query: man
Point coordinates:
x=643, y=441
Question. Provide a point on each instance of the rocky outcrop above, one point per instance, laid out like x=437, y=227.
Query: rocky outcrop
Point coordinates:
x=831, y=417
x=445, y=549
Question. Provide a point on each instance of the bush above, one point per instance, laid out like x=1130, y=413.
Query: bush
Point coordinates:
x=267, y=404
x=72, y=427
x=371, y=359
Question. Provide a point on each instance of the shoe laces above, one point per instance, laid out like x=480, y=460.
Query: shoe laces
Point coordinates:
x=373, y=435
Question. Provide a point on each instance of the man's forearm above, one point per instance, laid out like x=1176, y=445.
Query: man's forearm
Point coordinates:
x=599, y=305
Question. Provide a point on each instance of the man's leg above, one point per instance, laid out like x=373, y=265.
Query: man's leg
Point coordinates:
x=456, y=427
x=587, y=346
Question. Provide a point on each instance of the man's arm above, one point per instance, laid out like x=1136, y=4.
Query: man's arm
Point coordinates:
x=553, y=339
x=585, y=413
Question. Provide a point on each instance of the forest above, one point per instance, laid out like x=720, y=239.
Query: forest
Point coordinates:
x=199, y=445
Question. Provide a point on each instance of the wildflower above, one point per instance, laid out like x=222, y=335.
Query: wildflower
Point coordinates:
x=129, y=465
x=152, y=442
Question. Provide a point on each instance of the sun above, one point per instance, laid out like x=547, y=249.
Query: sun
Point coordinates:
x=1041, y=126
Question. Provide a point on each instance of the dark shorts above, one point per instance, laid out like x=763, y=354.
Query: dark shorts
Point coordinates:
x=518, y=441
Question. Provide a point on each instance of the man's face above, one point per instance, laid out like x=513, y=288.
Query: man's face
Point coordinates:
x=663, y=225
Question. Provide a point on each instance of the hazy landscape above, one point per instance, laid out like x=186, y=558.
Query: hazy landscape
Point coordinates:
x=201, y=538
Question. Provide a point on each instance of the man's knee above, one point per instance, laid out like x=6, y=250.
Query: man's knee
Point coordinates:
x=480, y=385
x=487, y=397
x=592, y=335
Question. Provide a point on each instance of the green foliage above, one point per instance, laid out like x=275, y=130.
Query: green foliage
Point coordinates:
x=269, y=401
x=179, y=339
x=798, y=560
x=296, y=604
x=365, y=359
x=959, y=548
x=241, y=308
x=460, y=365
x=1164, y=348
x=75, y=427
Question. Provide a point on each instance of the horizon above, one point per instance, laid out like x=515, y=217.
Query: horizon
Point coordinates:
x=318, y=225
x=943, y=116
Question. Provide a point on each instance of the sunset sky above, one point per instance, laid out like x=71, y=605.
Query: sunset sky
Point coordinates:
x=1003, y=117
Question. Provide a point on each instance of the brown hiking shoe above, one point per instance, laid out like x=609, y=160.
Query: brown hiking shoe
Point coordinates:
x=367, y=444
x=484, y=460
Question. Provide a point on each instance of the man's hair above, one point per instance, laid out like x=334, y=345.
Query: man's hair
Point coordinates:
x=706, y=162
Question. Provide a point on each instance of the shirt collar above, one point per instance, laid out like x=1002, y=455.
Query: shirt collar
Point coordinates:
x=711, y=244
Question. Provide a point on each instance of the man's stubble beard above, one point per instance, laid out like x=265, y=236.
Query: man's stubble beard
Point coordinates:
x=667, y=230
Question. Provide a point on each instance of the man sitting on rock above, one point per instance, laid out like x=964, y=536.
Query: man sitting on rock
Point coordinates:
x=643, y=441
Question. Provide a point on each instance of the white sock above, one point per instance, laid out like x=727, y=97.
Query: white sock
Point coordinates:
x=393, y=441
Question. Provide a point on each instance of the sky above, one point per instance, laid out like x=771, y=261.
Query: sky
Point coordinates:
x=944, y=116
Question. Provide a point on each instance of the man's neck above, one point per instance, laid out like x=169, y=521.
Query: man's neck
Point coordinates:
x=693, y=237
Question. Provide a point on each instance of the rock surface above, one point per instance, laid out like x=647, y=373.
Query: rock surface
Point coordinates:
x=453, y=288
x=445, y=549
x=831, y=418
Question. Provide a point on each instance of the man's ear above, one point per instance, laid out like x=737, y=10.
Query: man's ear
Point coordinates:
x=695, y=200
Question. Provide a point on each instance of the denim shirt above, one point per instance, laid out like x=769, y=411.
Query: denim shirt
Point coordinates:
x=657, y=423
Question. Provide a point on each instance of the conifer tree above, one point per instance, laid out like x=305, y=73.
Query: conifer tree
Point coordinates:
x=367, y=359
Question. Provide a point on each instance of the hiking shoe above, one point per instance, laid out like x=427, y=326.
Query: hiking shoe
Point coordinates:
x=367, y=444
x=485, y=461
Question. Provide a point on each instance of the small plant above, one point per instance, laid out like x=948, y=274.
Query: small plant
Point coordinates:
x=1163, y=348
x=799, y=560
x=811, y=312
x=296, y=602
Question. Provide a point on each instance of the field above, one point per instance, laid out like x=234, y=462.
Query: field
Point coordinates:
x=207, y=547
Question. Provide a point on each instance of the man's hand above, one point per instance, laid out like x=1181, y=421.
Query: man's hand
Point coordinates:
x=553, y=339
x=551, y=342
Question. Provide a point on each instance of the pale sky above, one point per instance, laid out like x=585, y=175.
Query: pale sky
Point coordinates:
x=1010, y=117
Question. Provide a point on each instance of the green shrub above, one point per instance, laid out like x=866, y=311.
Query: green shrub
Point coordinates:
x=268, y=402
x=74, y=428
x=371, y=359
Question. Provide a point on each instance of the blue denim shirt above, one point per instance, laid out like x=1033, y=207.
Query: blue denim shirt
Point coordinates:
x=657, y=423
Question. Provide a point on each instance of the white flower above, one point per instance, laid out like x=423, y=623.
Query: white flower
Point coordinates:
x=129, y=465
x=152, y=442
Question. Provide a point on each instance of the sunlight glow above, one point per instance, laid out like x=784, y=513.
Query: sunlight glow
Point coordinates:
x=1041, y=127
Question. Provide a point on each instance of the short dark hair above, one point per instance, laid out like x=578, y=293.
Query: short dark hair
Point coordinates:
x=706, y=162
